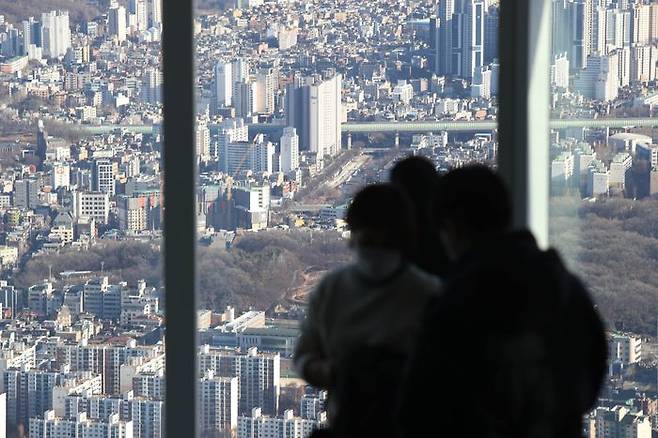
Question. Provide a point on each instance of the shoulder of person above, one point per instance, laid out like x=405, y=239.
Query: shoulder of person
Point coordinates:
x=330, y=279
x=429, y=282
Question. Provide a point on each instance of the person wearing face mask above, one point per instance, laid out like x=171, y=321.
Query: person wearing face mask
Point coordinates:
x=363, y=318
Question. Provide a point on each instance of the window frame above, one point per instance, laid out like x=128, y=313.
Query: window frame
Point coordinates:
x=180, y=220
x=523, y=160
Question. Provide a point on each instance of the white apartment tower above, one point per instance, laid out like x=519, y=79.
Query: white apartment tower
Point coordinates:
x=138, y=8
x=218, y=404
x=258, y=376
x=314, y=109
x=55, y=33
x=289, y=150
x=224, y=84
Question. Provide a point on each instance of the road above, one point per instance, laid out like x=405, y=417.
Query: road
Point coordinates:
x=348, y=170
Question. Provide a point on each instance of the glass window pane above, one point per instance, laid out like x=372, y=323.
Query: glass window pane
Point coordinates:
x=300, y=105
x=81, y=293
x=604, y=177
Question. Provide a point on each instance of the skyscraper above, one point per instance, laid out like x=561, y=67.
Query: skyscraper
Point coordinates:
x=561, y=32
x=314, y=110
x=264, y=97
x=239, y=72
x=218, y=404
x=600, y=78
x=151, y=90
x=31, y=33
x=155, y=13
x=117, y=23
x=491, y=28
x=55, y=33
x=202, y=138
x=244, y=94
x=473, y=37
x=640, y=23
x=138, y=8
x=581, y=31
x=223, y=84
x=289, y=150
x=444, y=46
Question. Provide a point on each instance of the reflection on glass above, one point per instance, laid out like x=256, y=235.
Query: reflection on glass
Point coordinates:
x=301, y=104
x=604, y=182
x=81, y=343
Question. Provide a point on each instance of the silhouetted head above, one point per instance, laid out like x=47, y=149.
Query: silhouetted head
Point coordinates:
x=417, y=177
x=381, y=216
x=470, y=203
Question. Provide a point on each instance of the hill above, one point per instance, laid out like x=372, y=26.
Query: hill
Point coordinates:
x=17, y=10
x=613, y=245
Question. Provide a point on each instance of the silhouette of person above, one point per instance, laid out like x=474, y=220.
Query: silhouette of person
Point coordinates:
x=513, y=347
x=417, y=177
x=362, y=318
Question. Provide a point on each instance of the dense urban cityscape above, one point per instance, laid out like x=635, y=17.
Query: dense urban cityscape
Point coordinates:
x=81, y=297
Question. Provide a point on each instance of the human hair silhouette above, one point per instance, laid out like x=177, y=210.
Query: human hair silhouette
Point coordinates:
x=382, y=216
x=362, y=318
x=513, y=346
x=417, y=177
x=473, y=198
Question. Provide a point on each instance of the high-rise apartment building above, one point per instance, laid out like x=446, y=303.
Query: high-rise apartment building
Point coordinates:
x=224, y=84
x=289, y=152
x=154, y=11
x=218, y=404
x=146, y=415
x=640, y=23
x=231, y=130
x=55, y=33
x=26, y=193
x=139, y=211
x=80, y=427
x=202, y=141
x=258, y=375
x=264, y=91
x=314, y=109
x=560, y=72
x=150, y=385
x=600, y=78
x=106, y=360
x=240, y=156
x=643, y=63
x=117, y=23
x=257, y=425
x=151, y=90
x=104, y=176
x=244, y=97
x=139, y=9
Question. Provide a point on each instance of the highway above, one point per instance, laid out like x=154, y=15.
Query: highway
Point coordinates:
x=418, y=127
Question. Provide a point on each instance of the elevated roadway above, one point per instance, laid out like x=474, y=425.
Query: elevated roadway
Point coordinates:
x=418, y=127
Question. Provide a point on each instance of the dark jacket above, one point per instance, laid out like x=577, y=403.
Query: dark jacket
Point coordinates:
x=513, y=348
